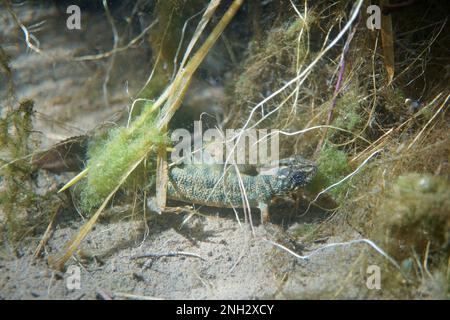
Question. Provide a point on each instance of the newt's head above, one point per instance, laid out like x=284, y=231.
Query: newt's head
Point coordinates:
x=293, y=172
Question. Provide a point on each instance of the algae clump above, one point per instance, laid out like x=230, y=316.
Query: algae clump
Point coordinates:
x=332, y=166
x=415, y=215
x=109, y=160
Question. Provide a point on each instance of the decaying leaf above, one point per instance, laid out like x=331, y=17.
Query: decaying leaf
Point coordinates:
x=66, y=156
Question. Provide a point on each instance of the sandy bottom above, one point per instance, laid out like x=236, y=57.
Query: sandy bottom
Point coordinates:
x=211, y=256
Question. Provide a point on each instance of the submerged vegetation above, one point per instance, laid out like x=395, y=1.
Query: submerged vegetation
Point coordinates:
x=17, y=193
x=380, y=140
x=109, y=160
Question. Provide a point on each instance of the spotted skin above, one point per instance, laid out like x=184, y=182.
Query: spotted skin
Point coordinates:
x=206, y=185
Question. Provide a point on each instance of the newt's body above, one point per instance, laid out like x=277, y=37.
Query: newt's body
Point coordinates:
x=206, y=185
x=203, y=184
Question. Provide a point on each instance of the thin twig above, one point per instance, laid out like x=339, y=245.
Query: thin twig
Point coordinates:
x=134, y=296
x=113, y=57
x=167, y=254
x=102, y=294
x=116, y=50
x=183, y=31
x=445, y=103
x=47, y=232
x=28, y=35
x=340, y=244
x=338, y=86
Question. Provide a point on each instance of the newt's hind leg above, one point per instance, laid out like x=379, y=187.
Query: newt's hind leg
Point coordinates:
x=264, y=207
